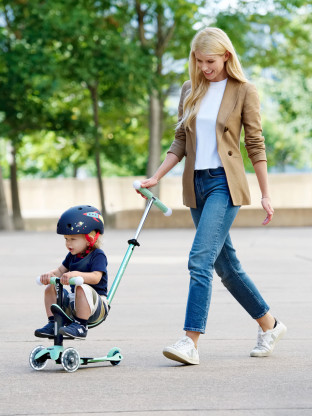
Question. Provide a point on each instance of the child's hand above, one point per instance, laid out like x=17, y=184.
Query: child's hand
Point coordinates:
x=68, y=275
x=45, y=278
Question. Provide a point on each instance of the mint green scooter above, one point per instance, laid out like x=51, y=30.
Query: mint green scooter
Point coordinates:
x=69, y=358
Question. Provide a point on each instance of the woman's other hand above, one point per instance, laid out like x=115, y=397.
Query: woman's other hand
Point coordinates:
x=267, y=206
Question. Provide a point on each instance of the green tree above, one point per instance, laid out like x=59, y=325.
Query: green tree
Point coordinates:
x=63, y=144
x=287, y=121
x=80, y=43
x=273, y=42
x=91, y=51
x=5, y=220
x=164, y=30
x=21, y=95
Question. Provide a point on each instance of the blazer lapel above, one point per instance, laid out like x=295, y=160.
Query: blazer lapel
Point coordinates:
x=193, y=133
x=228, y=102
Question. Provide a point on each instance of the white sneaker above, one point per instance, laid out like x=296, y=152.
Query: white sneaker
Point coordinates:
x=267, y=340
x=183, y=351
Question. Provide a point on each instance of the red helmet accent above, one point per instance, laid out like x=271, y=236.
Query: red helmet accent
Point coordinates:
x=92, y=241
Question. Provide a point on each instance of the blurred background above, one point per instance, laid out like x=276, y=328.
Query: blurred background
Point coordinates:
x=89, y=92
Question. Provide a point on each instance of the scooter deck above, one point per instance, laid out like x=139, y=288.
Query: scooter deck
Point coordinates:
x=88, y=360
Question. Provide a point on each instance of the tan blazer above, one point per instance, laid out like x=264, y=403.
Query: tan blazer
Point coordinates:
x=239, y=107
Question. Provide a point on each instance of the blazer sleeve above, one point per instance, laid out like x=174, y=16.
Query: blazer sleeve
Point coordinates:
x=254, y=141
x=179, y=144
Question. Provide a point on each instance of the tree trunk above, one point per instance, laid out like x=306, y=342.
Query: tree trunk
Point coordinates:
x=75, y=171
x=5, y=220
x=17, y=215
x=94, y=97
x=155, y=134
x=160, y=42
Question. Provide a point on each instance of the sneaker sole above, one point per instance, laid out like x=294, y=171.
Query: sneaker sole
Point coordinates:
x=268, y=353
x=174, y=355
x=42, y=335
x=62, y=332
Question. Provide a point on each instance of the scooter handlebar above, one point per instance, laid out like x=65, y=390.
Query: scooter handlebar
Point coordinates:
x=76, y=281
x=149, y=195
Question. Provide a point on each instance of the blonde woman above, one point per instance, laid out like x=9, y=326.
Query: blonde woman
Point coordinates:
x=214, y=105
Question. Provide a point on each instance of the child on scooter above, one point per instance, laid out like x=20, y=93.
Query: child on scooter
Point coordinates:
x=81, y=226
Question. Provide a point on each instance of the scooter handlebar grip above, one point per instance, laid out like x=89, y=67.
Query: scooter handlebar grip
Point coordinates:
x=52, y=280
x=38, y=281
x=149, y=195
x=76, y=281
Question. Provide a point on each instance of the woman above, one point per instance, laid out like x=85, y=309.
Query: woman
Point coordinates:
x=214, y=105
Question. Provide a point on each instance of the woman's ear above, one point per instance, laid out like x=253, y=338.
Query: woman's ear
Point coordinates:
x=226, y=55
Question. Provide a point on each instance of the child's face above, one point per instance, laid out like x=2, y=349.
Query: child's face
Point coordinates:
x=76, y=243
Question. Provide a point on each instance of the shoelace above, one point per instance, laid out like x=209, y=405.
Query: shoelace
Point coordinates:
x=77, y=325
x=184, y=345
x=263, y=339
x=181, y=342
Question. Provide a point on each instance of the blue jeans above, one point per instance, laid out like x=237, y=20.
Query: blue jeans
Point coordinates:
x=212, y=249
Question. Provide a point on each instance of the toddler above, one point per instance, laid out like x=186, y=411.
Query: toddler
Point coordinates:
x=81, y=226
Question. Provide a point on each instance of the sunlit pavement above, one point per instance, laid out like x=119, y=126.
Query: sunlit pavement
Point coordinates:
x=148, y=313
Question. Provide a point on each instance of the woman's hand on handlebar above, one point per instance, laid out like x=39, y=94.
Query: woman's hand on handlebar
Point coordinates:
x=148, y=183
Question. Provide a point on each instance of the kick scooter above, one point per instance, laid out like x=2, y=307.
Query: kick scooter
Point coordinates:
x=69, y=358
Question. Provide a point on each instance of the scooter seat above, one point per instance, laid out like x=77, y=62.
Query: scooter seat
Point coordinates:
x=58, y=311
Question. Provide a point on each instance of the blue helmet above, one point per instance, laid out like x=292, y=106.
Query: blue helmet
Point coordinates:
x=81, y=219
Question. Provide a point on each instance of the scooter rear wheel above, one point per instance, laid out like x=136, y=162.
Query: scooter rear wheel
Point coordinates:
x=70, y=360
x=112, y=353
x=40, y=363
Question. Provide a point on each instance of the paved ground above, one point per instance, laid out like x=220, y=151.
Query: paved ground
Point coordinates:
x=147, y=314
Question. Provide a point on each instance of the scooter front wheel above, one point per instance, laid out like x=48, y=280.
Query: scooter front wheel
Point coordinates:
x=40, y=363
x=70, y=360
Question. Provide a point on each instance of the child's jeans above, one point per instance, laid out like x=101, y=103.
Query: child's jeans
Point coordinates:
x=212, y=249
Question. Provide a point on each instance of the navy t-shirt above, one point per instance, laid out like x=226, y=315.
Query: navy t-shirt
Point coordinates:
x=95, y=261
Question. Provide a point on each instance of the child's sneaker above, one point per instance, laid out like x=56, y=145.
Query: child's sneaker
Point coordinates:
x=183, y=351
x=74, y=330
x=46, y=332
x=267, y=340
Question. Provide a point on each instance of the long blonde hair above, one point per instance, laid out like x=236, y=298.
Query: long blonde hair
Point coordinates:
x=209, y=41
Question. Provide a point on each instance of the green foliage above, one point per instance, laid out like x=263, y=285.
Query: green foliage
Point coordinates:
x=273, y=42
x=72, y=57
x=55, y=55
x=287, y=121
x=63, y=154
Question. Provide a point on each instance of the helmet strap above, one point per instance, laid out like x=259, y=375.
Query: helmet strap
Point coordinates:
x=91, y=241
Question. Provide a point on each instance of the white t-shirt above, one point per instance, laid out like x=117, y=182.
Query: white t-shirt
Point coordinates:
x=207, y=156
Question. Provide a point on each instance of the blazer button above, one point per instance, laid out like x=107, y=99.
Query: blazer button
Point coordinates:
x=230, y=152
x=225, y=129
